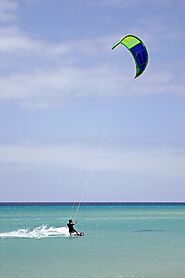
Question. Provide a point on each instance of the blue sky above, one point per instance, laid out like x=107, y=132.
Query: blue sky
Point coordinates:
x=72, y=118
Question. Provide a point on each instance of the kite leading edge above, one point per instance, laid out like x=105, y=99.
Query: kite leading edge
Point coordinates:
x=138, y=51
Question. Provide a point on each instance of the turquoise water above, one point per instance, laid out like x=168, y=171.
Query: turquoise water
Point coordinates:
x=120, y=241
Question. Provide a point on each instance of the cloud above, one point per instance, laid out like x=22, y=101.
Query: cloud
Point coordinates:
x=7, y=10
x=158, y=162
x=44, y=73
x=66, y=83
x=14, y=41
x=135, y=3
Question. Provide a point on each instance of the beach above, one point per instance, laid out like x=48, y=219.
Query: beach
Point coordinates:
x=130, y=241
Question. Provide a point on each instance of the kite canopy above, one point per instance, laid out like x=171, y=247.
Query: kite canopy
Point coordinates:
x=138, y=50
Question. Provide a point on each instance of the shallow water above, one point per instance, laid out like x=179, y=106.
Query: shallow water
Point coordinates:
x=120, y=241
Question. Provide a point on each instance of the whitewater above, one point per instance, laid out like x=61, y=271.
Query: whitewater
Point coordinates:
x=37, y=233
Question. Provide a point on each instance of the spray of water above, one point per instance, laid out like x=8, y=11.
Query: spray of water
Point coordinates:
x=37, y=233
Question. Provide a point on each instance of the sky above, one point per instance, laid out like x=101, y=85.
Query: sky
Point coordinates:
x=74, y=123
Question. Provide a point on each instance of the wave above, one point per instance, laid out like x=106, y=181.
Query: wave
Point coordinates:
x=149, y=230
x=38, y=232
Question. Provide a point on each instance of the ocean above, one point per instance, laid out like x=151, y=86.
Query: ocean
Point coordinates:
x=121, y=241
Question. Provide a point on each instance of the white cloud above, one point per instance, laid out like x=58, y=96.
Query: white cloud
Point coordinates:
x=7, y=10
x=135, y=3
x=161, y=162
x=17, y=43
x=12, y=40
x=64, y=83
x=42, y=73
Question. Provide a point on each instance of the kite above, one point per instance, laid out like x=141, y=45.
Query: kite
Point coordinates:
x=138, y=51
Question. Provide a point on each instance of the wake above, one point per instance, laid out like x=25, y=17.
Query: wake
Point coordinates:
x=38, y=232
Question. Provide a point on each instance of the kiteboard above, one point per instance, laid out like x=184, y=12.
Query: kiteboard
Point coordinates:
x=80, y=234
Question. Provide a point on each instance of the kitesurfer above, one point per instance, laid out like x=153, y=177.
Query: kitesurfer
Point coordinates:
x=72, y=230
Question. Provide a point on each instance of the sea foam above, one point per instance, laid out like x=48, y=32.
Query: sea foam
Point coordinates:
x=38, y=232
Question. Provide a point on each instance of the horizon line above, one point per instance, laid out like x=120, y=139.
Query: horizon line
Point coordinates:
x=88, y=203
